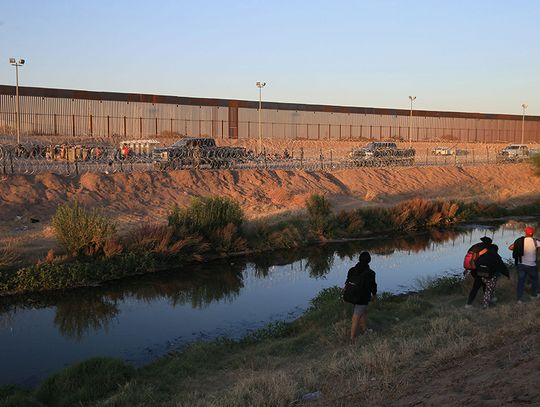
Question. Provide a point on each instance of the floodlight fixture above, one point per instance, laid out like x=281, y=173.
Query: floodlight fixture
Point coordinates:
x=412, y=99
x=524, y=106
x=13, y=61
x=260, y=85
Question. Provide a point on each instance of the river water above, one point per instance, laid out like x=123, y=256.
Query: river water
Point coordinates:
x=142, y=318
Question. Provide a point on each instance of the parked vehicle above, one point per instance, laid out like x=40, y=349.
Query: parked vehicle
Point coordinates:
x=447, y=151
x=442, y=151
x=197, y=152
x=514, y=153
x=380, y=153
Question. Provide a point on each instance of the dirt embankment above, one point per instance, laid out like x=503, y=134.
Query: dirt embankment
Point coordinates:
x=132, y=197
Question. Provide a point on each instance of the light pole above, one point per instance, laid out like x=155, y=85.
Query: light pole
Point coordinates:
x=412, y=99
x=524, y=106
x=260, y=85
x=16, y=64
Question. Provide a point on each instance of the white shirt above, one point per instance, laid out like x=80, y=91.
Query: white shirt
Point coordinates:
x=529, y=251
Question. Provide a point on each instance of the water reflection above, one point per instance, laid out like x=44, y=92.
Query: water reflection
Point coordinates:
x=222, y=298
x=80, y=311
x=76, y=314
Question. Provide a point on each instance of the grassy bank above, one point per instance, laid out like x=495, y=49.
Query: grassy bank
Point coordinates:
x=414, y=337
x=213, y=228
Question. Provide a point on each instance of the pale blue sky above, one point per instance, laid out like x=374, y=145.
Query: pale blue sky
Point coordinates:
x=477, y=56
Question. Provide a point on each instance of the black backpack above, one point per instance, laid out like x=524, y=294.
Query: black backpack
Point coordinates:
x=517, y=252
x=355, y=287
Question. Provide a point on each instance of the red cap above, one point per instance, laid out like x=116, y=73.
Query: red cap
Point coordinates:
x=529, y=231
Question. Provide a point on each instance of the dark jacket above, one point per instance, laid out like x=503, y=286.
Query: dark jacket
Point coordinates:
x=491, y=264
x=363, y=278
x=519, y=249
x=479, y=247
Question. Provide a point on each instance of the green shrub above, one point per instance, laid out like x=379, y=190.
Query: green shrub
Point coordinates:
x=532, y=209
x=84, y=382
x=205, y=216
x=376, y=219
x=290, y=233
x=319, y=214
x=54, y=276
x=81, y=231
x=475, y=210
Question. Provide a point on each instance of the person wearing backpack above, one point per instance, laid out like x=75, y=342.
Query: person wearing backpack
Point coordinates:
x=360, y=289
x=469, y=263
x=488, y=267
x=524, y=253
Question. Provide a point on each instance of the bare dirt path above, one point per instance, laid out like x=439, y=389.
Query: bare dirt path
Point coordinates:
x=506, y=375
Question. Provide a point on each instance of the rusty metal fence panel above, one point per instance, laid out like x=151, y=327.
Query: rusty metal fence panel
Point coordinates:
x=73, y=115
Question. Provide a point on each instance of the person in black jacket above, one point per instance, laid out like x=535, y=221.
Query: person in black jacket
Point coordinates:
x=488, y=267
x=360, y=289
x=480, y=247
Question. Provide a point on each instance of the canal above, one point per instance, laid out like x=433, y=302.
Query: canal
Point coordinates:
x=142, y=318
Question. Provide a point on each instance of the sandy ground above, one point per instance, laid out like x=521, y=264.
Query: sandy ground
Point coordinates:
x=505, y=376
x=147, y=197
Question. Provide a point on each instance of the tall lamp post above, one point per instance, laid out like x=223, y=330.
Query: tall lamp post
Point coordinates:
x=16, y=64
x=260, y=85
x=524, y=106
x=412, y=99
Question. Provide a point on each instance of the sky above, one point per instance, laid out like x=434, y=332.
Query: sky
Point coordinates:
x=455, y=55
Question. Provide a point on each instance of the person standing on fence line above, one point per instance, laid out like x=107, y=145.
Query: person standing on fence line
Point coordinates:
x=125, y=151
x=360, y=288
x=524, y=251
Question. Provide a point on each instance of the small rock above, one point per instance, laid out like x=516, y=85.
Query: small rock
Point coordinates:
x=312, y=396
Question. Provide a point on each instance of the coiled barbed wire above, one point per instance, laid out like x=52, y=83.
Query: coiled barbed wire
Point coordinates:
x=102, y=158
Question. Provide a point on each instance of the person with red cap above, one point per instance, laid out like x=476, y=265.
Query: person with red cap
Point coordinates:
x=524, y=253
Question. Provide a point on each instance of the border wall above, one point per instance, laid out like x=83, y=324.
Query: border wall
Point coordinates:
x=76, y=114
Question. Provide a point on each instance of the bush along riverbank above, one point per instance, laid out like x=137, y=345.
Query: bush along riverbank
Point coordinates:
x=417, y=339
x=214, y=227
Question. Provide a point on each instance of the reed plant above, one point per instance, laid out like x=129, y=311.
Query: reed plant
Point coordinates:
x=205, y=216
x=320, y=215
x=80, y=230
x=9, y=254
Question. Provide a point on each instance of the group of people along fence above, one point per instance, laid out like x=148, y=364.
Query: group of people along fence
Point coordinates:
x=482, y=262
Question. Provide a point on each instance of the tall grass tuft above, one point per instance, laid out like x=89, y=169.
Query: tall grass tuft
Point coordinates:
x=8, y=254
x=161, y=239
x=82, y=231
x=227, y=239
x=205, y=216
x=84, y=382
x=420, y=213
x=319, y=214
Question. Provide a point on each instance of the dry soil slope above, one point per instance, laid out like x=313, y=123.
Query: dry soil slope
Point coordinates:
x=136, y=195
